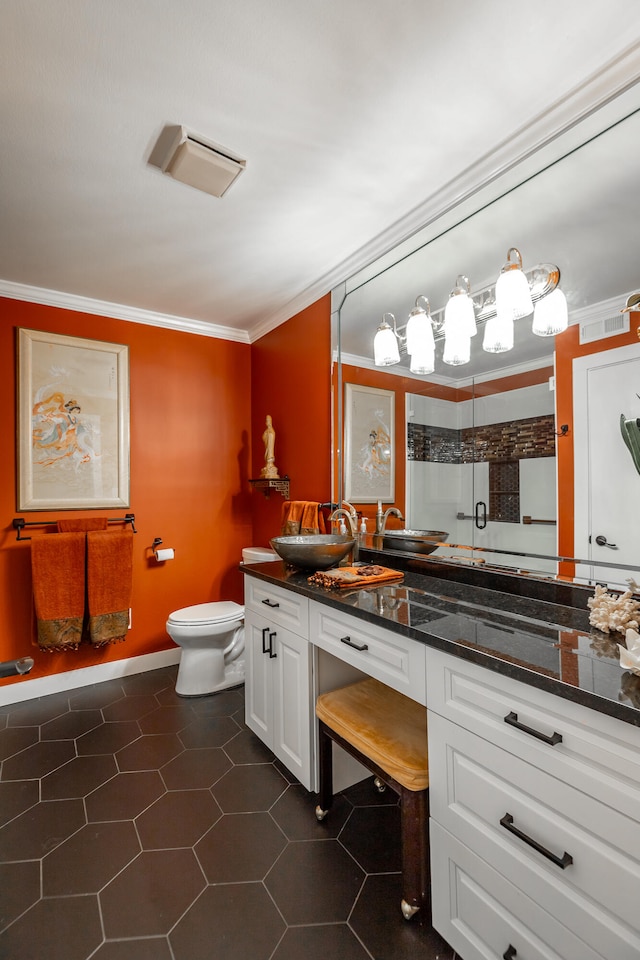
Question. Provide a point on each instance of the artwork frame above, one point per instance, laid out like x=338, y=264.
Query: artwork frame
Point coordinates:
x=369, y=444
x=72, y=422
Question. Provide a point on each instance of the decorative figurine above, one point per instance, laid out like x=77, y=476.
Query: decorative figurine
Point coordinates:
x=269, y=471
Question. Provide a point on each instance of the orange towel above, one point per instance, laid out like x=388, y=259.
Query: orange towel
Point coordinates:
x=57, y=564
x=72, y=525
x=302, y=518
x=109, y=574
x=366, y=576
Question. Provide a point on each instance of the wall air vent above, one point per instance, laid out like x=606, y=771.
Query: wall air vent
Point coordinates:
x=200, y=163
x=591, y=330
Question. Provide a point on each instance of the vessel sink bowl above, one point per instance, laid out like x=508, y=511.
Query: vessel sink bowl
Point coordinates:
x=414, y=541
x=315, y=551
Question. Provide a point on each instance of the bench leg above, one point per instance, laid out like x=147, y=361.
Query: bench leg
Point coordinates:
x=325, y=759
x=414, y=816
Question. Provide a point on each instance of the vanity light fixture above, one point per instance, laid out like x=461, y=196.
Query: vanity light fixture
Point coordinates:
x=458, y=320
x=459, y=323
x=513, y=296
x=551, y=315
x=385, y=343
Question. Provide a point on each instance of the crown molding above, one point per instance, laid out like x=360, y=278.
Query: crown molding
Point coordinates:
x=118, y=311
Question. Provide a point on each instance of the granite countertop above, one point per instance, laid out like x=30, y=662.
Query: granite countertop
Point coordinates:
x=549, y=645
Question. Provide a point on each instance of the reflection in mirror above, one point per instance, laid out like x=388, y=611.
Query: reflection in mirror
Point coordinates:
x=485, y=450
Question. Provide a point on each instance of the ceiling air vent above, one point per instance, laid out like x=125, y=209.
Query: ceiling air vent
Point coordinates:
x=200, y=163
x=606, y=327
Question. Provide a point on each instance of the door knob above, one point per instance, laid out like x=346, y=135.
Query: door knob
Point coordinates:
x=603, y=542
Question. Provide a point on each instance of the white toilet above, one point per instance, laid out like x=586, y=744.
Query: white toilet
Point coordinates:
x=212, y=639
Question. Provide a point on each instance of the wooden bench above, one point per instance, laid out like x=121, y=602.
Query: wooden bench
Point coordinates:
x=387, y=733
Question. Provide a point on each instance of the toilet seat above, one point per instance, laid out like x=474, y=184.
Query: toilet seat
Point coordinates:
x=223, y=611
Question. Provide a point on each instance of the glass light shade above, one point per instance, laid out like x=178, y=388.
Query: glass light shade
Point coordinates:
x=498, y=334
x=385, y=347
x=423, y=361
x=419, y=332
x=457, y=347
x=551, y=314
x=460, y=313
x=513, y=295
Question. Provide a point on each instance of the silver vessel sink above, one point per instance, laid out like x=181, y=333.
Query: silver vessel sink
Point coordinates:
x=316, y=551
x=414, y=541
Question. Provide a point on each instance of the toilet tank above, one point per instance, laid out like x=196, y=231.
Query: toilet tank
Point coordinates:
x=258, y=555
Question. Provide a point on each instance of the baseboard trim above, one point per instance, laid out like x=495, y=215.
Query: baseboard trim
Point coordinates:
x=85, y=676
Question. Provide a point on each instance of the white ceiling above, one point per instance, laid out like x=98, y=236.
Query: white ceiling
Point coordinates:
x=356, y=118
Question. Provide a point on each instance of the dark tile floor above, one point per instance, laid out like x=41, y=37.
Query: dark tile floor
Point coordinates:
x=137, y=825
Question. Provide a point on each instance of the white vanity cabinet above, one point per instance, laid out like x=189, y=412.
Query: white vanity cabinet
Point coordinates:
x=535, y=806
x=279, y=696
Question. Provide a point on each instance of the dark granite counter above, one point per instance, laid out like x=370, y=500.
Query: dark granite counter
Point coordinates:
x=539, y=641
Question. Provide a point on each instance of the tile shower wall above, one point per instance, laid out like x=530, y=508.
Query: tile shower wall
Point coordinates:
x=453, y=447
x=513, y=440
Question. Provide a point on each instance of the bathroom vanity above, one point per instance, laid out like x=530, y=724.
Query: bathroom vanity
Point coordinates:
x=534, y=743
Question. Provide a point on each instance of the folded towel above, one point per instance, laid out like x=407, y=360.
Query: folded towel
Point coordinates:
x=72, y=525
x=109, y=574
x=302, y=518
x=57, y=565
x=365, y=576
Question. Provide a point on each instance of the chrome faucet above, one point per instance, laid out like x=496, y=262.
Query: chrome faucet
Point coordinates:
x=381, y=518
x=349, y=513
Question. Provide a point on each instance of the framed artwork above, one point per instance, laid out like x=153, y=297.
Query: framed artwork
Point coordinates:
x=73, y=422
x=369, y=448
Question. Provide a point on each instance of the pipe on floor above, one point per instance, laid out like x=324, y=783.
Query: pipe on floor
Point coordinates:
x=11, y=668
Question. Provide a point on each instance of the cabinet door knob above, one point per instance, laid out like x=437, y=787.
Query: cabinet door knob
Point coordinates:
x=272, y=653
x=265, y=631
x=510, y=953
x=270, y=603
x=563, y=862
x=512, y=720
x=356, y=646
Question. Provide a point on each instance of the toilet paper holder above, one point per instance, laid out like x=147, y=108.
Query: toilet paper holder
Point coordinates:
x=161, y=555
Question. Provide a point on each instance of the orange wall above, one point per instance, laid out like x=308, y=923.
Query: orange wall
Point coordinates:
x=291, y=381
x=190, y=451
x=195, y=402
x=568, y=348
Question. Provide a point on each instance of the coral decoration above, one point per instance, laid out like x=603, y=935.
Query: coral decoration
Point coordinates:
x=613, y=612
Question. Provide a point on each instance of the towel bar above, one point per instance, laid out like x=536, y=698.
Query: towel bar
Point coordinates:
x=19, y=523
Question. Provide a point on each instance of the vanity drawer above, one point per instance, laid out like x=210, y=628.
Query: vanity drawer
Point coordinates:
x=390, y=657
x=280, y=606
x=481, y=914
x=585, y=869
x=593, y=752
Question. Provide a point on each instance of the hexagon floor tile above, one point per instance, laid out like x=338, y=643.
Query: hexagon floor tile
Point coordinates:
x=137, y=825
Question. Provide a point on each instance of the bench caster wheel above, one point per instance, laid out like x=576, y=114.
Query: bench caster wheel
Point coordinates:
x=379, y=785
x=407, y=910
x=320, y=813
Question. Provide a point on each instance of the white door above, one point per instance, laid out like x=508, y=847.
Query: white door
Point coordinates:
x=293, y=705
x=606, y=387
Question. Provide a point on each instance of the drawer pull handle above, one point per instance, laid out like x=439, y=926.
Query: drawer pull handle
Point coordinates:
x=510, y=953
x=356, y=646
x=272, y=655
x=564, y=861
x=270, y=603
x=265, y=631
x=512, y=719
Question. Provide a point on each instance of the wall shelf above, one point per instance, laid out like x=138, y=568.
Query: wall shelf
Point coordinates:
x=266, y=486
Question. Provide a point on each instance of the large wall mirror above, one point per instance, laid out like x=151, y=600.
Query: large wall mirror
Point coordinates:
x=476, y=446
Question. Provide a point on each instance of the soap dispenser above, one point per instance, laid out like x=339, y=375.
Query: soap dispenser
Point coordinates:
x=363, y=526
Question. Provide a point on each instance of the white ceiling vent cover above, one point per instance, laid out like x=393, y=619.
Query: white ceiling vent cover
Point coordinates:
x=201, y=164
x=607, y=327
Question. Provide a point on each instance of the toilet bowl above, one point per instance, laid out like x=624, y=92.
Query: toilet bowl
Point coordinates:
x=211, y=636
x=212, y=639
